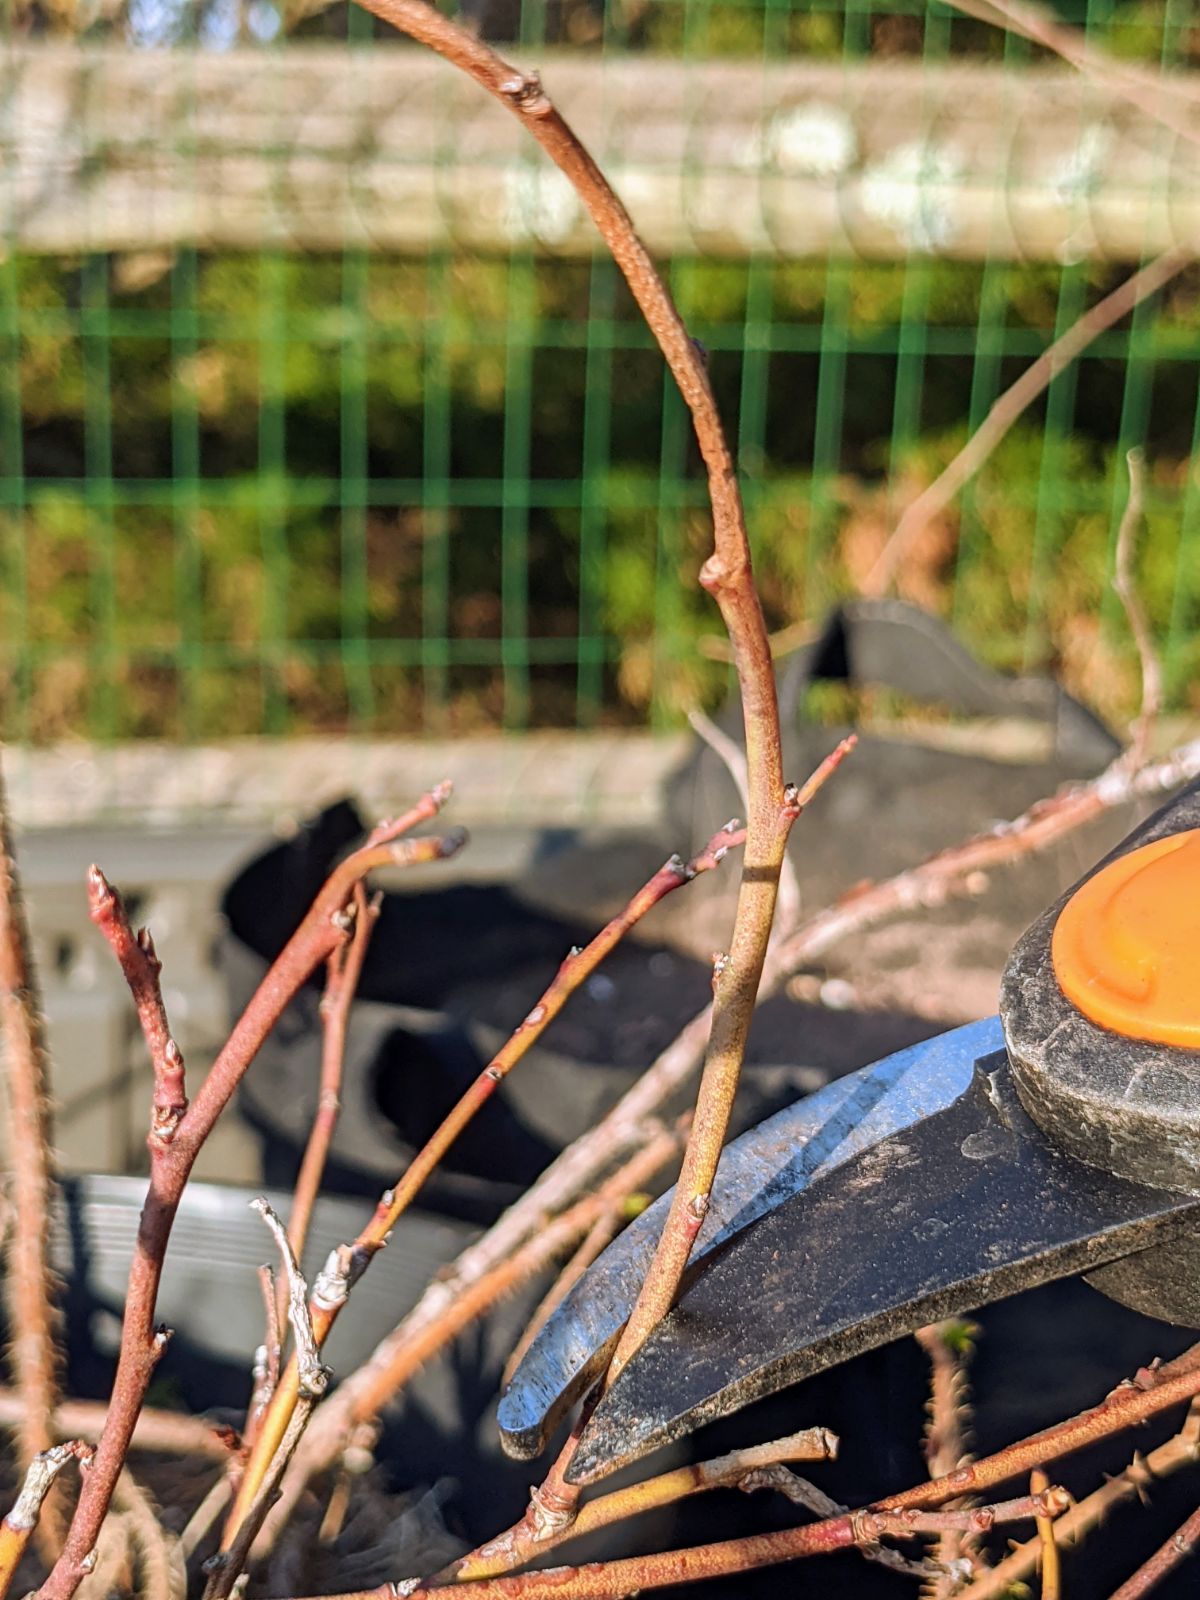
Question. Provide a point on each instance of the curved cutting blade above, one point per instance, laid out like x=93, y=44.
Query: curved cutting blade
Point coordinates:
x=779, y=1158
x=966, y=1206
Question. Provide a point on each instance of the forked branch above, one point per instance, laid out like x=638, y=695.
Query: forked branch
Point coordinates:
x=171, y=1161
x=614, y=1580
x=575, y=969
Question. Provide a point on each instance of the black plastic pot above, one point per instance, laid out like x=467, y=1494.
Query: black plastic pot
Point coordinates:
x=448, y=974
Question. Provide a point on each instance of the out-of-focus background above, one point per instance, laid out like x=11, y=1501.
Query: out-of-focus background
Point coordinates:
x=320, y=413
x=322, y=418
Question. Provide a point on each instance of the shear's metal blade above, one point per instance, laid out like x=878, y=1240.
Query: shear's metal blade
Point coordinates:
x=963, y=1207
x=779, y=1158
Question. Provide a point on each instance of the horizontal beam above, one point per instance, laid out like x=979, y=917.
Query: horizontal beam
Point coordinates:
x=316, y=147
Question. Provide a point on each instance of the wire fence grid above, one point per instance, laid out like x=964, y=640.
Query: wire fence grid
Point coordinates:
x=319, y=411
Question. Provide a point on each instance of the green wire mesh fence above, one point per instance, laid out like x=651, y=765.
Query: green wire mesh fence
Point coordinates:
x=318, y=410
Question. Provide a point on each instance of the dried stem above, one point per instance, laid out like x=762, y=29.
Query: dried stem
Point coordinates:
x=740, y=1469
x=1051, y=1569
x=163, y=1432
x=171, y=1162
x=578, y=966
x=931, y=502
x=392, y=1364
x=948, y=1346
x=613, y=1580
x=225, y=1568
x=29, y=1281
x=18, y=1526
x=312, y=1382
x=803, y=1493
x=269, y=1354
x=1143, y=1472
x=344, y=969
x=1135, y=612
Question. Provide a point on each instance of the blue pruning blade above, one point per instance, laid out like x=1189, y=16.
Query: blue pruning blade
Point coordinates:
x=969, y=1204
x=780, y=1158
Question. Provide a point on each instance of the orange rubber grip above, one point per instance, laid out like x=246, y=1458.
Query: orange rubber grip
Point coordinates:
x=1126, y=947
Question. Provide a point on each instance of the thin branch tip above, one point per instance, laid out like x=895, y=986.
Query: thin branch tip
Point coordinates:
x=100, y=894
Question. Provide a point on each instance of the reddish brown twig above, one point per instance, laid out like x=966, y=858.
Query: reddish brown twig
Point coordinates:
x=744, y=1469
x=1152, y=1390
x=1182, y=1544
x=141, y=969
x=577, y=967
x=1015, y=400
x=1138, y=1478
x=726, y=575
x=613, y=1580
x=29, y=1281
x=344, y=969
x=554, y=1502
x=171, y=1160
x=18, y=1526
x=956, y=871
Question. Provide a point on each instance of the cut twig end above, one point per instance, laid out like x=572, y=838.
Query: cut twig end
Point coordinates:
x=41, y=1473
x=452, y=842
x=313, y=1377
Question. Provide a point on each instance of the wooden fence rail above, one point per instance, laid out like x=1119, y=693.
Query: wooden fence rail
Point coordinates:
x=319, y=147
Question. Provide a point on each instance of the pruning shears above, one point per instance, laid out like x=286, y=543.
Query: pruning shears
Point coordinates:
x=1061, y=1137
